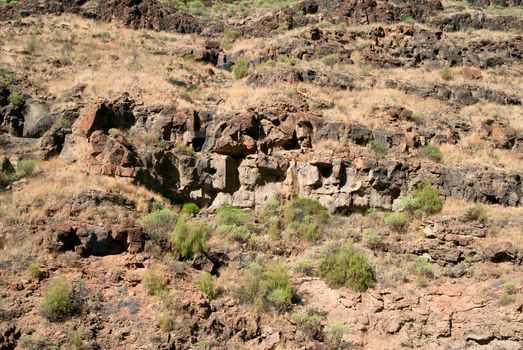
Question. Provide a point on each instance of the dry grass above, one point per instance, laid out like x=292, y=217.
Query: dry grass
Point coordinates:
x=107, y=58
x=55, y=186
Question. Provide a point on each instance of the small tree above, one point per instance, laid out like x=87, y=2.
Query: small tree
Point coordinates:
x=240, y=69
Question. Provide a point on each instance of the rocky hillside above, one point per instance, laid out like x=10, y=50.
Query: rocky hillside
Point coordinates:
x=315, y=174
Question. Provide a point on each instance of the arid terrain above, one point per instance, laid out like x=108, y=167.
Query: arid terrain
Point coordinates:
x=255, y=174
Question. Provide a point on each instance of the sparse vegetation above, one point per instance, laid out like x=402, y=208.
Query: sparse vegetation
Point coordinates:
x=446, y=73
x=475, y=213
x=423, y=199
x=379, y=150
x=372, y=239
x=309, y=324
x=306, y=217
x=205, y=284
x=344, y=266
x=189, y=237
x=190, y=209
x=397, y=221
x=266, y=285
x=34, y=271
x=153, y=281
x=432, y=152
x=159, y=224
x=233, y=222
x=15, y=99
x=57, y=302
x=165, y=322
x=241, y=68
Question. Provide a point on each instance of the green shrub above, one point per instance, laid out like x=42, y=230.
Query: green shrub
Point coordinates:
x=233, y=222
x=189, y=237
x=422, y=267
x=190, y=208
x=15, y=99
x=309, y=324
x=30, y=47
x=427, y=198
x=306, y=217
x=165, y=322
x=475, y=213
x=409, y=19
x=344, y=266
x=397, y=221
x=153, y=281
x=305, y=266
x=26, y=167
x=416, y=117
x=205, y=284
x=334, y=334
x=269, y=216
x=446, y=73
x=34, y=271
x=423, y=199
x=77, y=338
x=330, y=60
x=159, y=224
x=432, y=152
x=57, y=303
x=236, y=232
x=228, y=38
x=241, y=68
x=371, y=239
x=229, y=215
x=267, y=285
x=61, y=122
x=379, y=150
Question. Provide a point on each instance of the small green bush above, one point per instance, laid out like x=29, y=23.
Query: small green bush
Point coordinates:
x=159, y=224
x=379, y=150
x=330, y=60
x=334, y=334
x=189, y=237
x=423, y=199
x=57, y=303
x=397, y=221
x=306, y=217
x=229, y=215
x=205, y=284
x=427, y=198
x=30, y=47
x=344, y=266
x=305, y=266
x=15, y=99
x=267, y=285
x=409, y=19
x=34, y=271
x=153, y=281
x=475, y=213
x=241, y=68
x=269, y=216
x=371, y=239
x=309, y=324
x=165, y=322
x=432, y=152
x=233, y=222
x=228, y=38
x=26, y=167
x=77, y=338
x=61, y=122
x=446, y=73
x=422, y=267
x=190, y=208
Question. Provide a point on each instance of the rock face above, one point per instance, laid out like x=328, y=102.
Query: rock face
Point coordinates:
x=233, y=159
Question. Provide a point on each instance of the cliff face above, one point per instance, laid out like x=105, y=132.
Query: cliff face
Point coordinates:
x=264, y=175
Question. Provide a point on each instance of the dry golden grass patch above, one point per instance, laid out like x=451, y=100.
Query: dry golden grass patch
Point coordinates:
x=57, y=185
x=107, y=58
